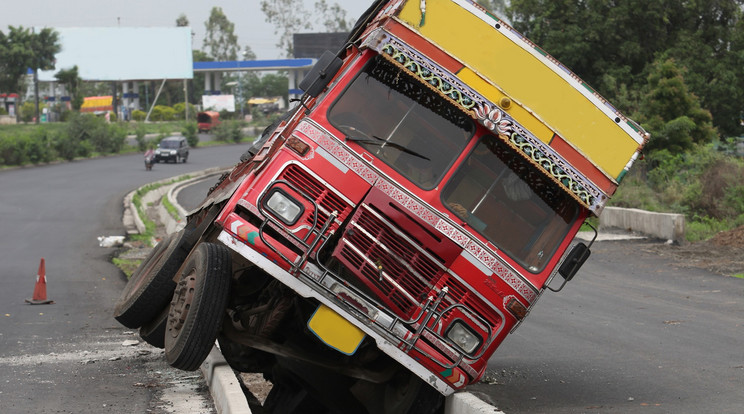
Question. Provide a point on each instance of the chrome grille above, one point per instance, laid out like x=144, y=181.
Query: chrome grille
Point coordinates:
x=390, y=262
x=327, y=200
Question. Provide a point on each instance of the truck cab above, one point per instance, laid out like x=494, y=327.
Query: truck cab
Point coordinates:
x=380, y=242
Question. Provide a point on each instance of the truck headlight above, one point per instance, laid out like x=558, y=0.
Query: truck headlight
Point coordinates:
x=284, y=207
x=463, y=337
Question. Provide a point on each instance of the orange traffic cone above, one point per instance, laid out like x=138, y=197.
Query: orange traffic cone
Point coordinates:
x=40, y=295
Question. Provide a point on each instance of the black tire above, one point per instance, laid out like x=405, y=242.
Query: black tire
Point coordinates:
x=151, y=285
x=153, y=332
x=198, y=306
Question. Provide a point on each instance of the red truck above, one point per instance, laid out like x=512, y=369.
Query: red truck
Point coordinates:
x=375, y=246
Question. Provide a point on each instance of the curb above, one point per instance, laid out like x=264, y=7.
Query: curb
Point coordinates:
x=223, y=384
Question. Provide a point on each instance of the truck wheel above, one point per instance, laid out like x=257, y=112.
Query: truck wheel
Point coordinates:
x=407, y=393
x=198, y=306
x=151, y=285
x=153, y=332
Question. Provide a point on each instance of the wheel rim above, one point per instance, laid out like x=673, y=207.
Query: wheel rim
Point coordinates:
x=183, y=297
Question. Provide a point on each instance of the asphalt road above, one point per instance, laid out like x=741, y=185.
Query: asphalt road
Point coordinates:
x=632, y=333
x=68, y=356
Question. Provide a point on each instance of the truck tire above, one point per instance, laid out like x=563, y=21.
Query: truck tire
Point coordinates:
x=151, y=285
x=153, y=332
x=198, y=306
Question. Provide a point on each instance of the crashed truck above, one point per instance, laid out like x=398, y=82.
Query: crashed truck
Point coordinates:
x=376, y=245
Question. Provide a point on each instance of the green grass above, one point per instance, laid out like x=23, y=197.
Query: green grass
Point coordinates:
x=738, y=275
x=128, y=266
x=150, y=226
x=170, y=208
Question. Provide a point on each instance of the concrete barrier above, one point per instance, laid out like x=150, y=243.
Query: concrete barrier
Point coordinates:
x=665, y=226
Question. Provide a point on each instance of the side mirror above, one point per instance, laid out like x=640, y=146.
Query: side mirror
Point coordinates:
x=572, y=264
x=321, y=74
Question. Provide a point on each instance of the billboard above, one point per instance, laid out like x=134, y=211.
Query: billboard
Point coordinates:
x=218, y=103
x=124, y=53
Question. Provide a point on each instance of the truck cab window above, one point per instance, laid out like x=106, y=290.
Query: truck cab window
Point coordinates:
x=402, y=122
x=519, y=209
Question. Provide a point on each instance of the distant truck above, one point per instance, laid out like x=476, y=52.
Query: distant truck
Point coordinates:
x=207, y=120
x=376, y=245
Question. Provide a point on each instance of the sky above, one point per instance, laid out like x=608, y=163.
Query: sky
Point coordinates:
x=250, y=22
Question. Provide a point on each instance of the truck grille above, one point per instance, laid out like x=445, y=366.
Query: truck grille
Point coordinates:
x=327, y=200
x=373, y=246
x=410, y=273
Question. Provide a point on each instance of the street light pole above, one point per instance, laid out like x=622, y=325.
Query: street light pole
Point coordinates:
x=240, y=89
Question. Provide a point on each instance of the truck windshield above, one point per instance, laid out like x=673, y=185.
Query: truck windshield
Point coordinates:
x=403, y=122
x=507, y=200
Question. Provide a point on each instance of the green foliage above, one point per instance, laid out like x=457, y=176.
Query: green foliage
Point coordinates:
x=179, y=110
x=27, y=111
x=87, y=133
x=3, y=111
x=604, y=43
x=290, y=16
x=140, y=131
x=162, y=113
x=671, y=114
x=220, y=40
x=703, y=183
x=27, y=148
x=190, y=132
x=71, y=80
x=22, y=49
x=229, y=131
x=138, y=115
x=267, y=85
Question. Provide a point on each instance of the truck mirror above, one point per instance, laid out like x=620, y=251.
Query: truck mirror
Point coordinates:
x=574, y=261
x=321, y=74
x=572, y=264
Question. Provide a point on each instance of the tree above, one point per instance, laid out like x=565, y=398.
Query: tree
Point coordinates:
x=182, y=21
x=290, y=17
x=671, y=114
x=71, y=80
x=496, y=6
x=333, y=17
x=22, y=49
x=220, y=41
x=613, y=45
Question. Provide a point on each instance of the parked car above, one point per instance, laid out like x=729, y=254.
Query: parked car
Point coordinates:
x=174, y=149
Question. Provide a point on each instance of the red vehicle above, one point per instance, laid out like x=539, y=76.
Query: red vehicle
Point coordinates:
x=374, y=248
x=207, y=120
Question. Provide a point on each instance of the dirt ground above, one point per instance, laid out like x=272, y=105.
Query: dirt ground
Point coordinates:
x=722, y=254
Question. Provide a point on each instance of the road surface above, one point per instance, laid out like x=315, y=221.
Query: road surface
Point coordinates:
x=68, y=356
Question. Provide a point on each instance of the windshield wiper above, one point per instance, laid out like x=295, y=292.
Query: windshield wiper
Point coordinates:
x=381, y=142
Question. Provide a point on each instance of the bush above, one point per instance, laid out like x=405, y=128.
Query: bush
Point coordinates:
x=3, y=111
x=88, y=133
x=140, y=131
x=180, y=111
x=28, y=111
x=162, y=113
x=189, y=131
x=12, y=150
x=138, y=115
x=229, y=131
